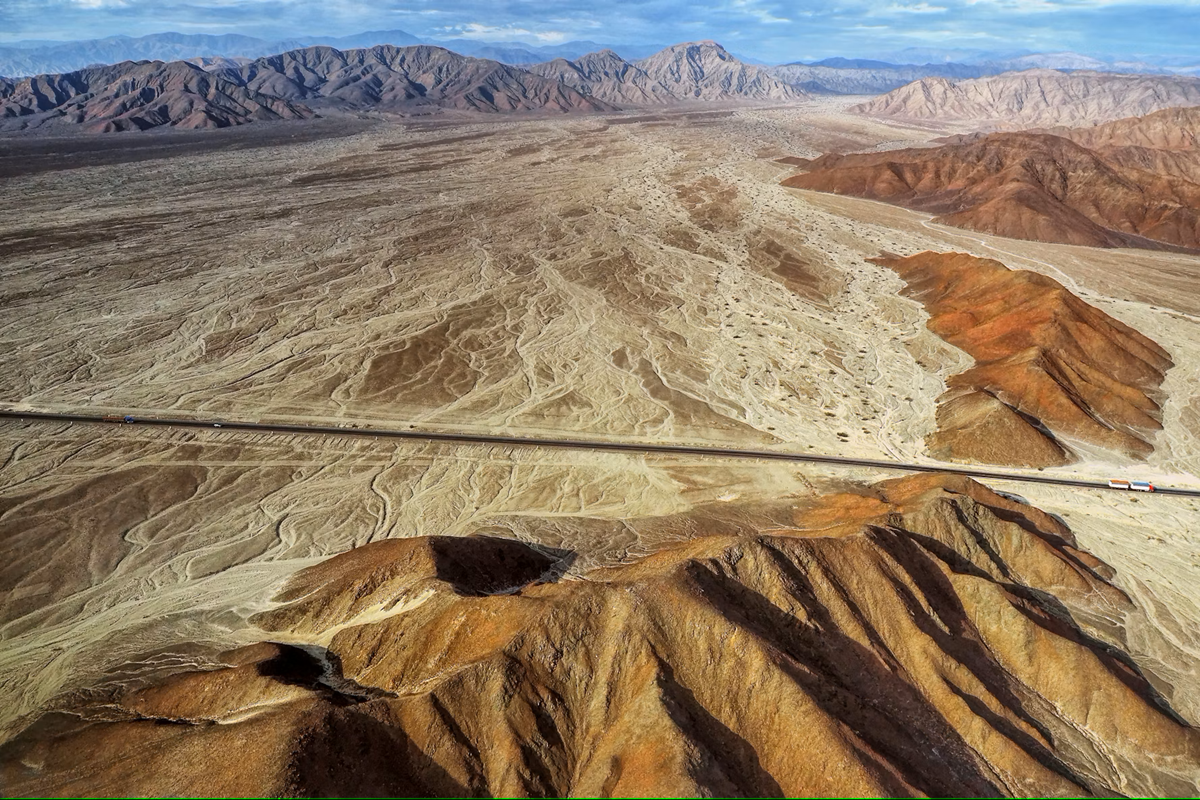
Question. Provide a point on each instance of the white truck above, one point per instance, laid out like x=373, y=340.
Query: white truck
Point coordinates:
x=1133, y=486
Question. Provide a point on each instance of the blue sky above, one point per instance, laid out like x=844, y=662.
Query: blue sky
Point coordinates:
x=766, y=29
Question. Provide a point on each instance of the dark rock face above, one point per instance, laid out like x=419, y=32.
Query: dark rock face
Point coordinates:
x=141, y=95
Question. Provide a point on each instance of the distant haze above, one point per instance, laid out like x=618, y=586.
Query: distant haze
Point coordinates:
x=912, y=31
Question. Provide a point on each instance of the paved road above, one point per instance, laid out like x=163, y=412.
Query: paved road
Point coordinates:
x=575, y=444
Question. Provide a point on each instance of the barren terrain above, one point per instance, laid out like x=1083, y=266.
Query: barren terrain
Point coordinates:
x=1036, y=97
x=935, y=637
x=634, y=277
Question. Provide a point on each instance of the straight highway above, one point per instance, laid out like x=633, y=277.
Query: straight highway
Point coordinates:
x=573, y=444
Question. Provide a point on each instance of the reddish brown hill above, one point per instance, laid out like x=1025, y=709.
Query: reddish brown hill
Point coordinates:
x=1164, y=143
x=1024, y=185
x=1044, y=360
x=914, y=638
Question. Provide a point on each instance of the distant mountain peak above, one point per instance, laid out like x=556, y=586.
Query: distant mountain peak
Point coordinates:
x=707, y=71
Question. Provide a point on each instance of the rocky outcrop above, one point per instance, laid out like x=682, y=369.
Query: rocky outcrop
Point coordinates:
x=920, y=636
x=706, y=71
x=976, y=427
x=1024, y=185
x=1048, y=365
x=1036, y=98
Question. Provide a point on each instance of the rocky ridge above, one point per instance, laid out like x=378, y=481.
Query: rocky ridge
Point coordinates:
x=1035, y=98
x=1166, y=142
x=407, y=80
x=926, y=630
x=706, y=71
x=1048, y=366
x=608, y=77
x=1169, y=129
x=137, y=96
x=1027, y=185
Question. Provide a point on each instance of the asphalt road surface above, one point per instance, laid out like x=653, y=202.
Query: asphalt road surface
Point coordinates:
x=574, y=444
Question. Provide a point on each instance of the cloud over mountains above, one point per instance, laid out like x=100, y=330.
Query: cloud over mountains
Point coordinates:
x=768, y=29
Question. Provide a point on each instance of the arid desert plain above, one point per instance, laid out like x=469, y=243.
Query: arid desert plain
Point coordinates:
x=631, y=277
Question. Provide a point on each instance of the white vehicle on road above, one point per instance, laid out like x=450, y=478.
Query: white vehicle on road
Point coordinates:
x=1135, y=486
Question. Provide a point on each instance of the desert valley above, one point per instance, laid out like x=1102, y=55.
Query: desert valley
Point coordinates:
x=994, y=275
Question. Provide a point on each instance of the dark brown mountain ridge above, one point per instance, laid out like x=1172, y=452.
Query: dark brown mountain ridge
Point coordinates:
x=407, y=80
x=138, y=96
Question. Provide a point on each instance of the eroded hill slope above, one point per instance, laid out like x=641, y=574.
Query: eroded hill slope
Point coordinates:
x=1024, y=185
x=1036, y=97
x=706, y=71
x=917, y=637
x=1047, y=365
x=137, y=96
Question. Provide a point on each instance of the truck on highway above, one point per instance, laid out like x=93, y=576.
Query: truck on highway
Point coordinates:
x=1135, y=486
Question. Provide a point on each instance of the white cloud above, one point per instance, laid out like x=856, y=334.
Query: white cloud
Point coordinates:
x=477, y=30
x=753, y=8
x=915, y=8
x=1043, y=6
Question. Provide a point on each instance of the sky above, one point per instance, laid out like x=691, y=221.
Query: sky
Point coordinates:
x=770, y=30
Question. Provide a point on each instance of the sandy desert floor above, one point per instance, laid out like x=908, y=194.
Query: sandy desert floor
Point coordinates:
x=638, y=277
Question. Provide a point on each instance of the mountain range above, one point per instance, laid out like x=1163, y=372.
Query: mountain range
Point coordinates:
x=219, y=91
x=1036, y=98
x=1131, y=183
x=40, y=57
x=417, y=79
x=996, y=62
x=864, y=76
x=830, y=75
